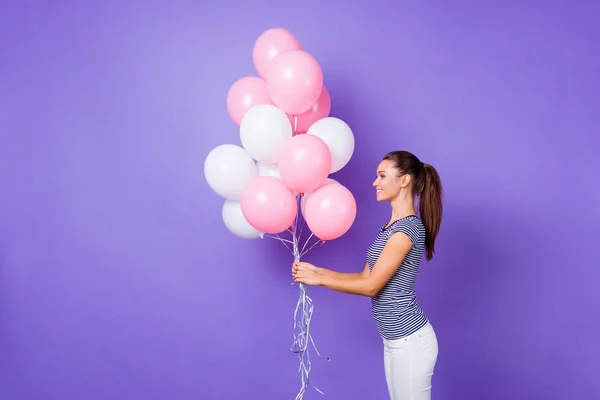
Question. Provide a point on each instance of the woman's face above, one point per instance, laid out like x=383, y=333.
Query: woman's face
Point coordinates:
x=388, y=184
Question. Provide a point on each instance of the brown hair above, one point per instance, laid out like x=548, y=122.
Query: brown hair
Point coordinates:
x=427, y=185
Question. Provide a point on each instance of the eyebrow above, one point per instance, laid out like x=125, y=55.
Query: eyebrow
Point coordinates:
x=379, y=172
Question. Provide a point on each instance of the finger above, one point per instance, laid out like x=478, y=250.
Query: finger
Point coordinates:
x=308, y=266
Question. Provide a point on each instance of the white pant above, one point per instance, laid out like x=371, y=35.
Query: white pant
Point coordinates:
x=409, y=364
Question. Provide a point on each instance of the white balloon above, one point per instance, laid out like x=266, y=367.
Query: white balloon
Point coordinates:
x=228, y=169
x=339, y=138
x=265, y=169
x=263, y=132
x=235, y=221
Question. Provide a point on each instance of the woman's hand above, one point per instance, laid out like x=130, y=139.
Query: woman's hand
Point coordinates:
x=306, y=273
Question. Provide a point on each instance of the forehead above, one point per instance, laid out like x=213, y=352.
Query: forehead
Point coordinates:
x=385, y=166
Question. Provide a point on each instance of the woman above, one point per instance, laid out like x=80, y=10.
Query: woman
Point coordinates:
x=393, y=259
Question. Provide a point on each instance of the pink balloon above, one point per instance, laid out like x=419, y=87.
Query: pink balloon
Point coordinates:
x=269, y=45
x=328, y=181
x=244, y=94
x=320, y=109
x=294, y=81
x=304, y=162
x=330, y=211
x=268, y=205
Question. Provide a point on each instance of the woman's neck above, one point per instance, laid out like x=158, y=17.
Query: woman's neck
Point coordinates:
x=401, y=208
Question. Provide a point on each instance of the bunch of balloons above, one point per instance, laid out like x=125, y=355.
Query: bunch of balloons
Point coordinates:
x=289, y=146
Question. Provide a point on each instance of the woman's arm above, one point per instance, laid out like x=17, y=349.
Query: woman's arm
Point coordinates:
x=345, y=275
x=396, y=248
x=327, y=272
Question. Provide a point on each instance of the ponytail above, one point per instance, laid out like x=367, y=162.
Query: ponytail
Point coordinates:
x=427, y=184
x=430, y=206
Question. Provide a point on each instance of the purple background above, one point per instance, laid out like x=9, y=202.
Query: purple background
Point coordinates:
x=112, y=284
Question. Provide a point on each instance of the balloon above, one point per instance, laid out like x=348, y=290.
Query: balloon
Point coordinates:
x=269, y=45
x=228, y=169
x=236, y=223
x=244, y=94
x=328, y=181
x=339, y=138
x=304, y=163
x=330, y=211
x=268, y=205
x=320, y=109
x=263, y=132
x=269, y=170
x=294, y=81
x=265, y=169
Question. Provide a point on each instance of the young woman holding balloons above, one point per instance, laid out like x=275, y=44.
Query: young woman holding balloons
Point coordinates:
x=392, y=263
x=290, y=145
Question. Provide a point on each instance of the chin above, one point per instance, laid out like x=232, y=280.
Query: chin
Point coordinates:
x=382, y=197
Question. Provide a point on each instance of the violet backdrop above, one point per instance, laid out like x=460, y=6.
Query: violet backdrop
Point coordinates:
x=119, y=280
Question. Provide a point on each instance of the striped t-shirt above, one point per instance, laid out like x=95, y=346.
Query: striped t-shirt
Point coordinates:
x=395, y=309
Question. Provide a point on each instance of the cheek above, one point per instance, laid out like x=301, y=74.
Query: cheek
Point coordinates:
x=390, y=187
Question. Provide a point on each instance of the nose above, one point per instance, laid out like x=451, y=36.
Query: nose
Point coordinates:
x=375, y=182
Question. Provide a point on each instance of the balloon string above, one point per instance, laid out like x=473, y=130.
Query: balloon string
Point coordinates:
x=302, y=320
x=305, y=243
x=297, y=219
x=283, y=241
x=295, y=125
x=315, y=245
x=304, y=307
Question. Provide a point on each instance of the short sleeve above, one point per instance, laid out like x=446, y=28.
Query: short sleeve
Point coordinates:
x=411, y=228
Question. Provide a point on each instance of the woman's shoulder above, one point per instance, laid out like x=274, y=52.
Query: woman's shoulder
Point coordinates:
x=411, y=220
x=410, y=225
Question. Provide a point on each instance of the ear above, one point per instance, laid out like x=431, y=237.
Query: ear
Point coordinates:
x=405, y=180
